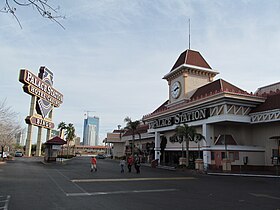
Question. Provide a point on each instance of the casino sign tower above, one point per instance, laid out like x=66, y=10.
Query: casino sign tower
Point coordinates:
x=43, y=99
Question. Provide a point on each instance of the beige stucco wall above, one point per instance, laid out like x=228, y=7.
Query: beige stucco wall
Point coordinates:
x=111, y=137
x=253, y=135
x=189, y=83
x=254, y=158
x=118, y=150
x=193, y=82
x=240, y=132
x=261, y=134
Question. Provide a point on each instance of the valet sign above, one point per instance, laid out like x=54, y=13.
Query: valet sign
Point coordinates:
x=179, y=118
x=46, y=96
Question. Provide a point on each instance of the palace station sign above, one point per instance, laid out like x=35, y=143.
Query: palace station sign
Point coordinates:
x=47, y=97
x=180, y=118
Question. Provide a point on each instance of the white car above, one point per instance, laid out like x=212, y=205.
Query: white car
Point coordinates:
x=18, y=154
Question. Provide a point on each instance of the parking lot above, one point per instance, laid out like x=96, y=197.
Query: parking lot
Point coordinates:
x=27, y=183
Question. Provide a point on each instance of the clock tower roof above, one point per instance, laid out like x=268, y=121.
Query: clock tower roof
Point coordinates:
x=191, y=57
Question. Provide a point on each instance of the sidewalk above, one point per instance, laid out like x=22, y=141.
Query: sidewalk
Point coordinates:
x=265, y=174
x=252, y=174
x=58, y=161
x=170, y=168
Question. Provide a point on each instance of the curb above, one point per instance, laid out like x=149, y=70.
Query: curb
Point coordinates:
x=244, y=175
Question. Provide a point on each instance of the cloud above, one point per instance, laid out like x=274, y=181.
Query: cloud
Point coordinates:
x=113, y=54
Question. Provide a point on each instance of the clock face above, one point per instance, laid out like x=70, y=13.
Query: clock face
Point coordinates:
x=176, y=89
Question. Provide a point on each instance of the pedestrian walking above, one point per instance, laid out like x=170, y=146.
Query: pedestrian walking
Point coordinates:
x=122, y=164
x=137, y=164
x=129, y=163
x=93, y=163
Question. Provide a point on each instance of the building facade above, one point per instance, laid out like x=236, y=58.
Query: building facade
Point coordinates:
x=91, y=131
x=115, y=143
x=121, y=143
x=237, y=125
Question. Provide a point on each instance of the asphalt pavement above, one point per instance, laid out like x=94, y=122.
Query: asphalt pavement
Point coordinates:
x=27, y=183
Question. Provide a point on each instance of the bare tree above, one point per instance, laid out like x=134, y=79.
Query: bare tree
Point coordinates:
x=41, y=6
x=9, y=127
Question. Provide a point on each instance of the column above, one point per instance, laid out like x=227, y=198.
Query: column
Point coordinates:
x=157, y=146
x=39, y=142
x=28, y=142
x=48, y=136
x=207, y=132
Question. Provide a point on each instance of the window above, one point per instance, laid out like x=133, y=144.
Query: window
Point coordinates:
x=274, y=153
x=236, y=155
x=231, y=156
x=212, y=155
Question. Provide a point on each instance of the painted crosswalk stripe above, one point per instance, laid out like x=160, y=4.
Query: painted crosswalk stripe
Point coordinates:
x=119, y=192
x=133, y=179
x=265, y=196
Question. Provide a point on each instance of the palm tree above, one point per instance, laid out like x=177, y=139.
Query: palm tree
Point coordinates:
x=132, y=125
x=198, y=138
x=187, y=133
x=61, y=126
x=70, y=135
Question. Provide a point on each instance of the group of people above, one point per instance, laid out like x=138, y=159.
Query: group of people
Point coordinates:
x=130, y=162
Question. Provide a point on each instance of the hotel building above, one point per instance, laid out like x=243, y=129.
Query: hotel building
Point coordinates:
x=238, y=126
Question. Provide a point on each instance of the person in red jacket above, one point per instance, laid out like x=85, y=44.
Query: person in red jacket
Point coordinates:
x=93, y=163
x=129, y=163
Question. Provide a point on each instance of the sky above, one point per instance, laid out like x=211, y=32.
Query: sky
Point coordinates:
x=112, y=55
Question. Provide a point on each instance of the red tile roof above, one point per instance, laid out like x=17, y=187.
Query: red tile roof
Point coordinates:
x=191, y=57
x=161, y=107
x=141, y=129
x=203, y=92
x=272, y=102
x=118, y=131
x=219, y=85
x=56, y=141
x=90, y=147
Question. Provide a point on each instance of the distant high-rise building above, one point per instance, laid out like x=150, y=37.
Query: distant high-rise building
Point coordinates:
x=91, y=131
x=20, y=137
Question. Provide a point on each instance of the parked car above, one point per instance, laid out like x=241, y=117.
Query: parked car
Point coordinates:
x=108, y=156
x=100, y=156
x=18, y=154
x=78, y=153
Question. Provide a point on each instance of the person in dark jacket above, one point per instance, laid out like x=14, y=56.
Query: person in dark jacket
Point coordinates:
x=137, y=164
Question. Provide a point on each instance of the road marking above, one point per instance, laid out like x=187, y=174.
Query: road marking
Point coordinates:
x=6, y=201
x=265, y=196
x=67, y=178
x=133, y=179
x=119, y=192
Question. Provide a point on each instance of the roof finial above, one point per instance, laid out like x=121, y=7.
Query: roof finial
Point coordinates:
x=189, y=33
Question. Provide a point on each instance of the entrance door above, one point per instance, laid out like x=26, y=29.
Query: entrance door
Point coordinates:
x=218, y=158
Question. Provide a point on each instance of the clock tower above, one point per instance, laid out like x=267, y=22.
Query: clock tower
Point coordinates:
x=189, y=72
